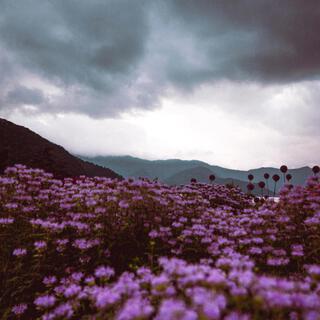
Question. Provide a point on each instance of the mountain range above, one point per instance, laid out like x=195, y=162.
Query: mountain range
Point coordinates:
x=175, y=171
x=21, y=145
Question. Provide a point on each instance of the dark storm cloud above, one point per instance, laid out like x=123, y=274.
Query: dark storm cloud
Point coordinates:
x=110, y=56
x=91, y=46
x=75, y=41
x=264, y=40
x=23, y=95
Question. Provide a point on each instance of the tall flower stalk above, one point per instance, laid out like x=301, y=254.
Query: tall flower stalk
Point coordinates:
x=275, y=178
x=267, y=176
x=212, y=177
x=261, y=185
x=284, y=170
x=250, y=187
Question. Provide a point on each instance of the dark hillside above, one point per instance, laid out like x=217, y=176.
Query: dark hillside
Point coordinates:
x=21, y=145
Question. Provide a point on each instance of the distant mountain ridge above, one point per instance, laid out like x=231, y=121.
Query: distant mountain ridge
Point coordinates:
x=134, y=167
x=202, y=174
x=175, y=171
x=21, y=145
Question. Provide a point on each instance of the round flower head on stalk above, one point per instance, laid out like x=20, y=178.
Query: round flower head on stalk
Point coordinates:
x=315, y=170
x=261, y=186
x=250, y=187
x=212, y=177
x=288, y=177
x=275, y=178
x=250, y=177
x=193, y=180
x=284, y=170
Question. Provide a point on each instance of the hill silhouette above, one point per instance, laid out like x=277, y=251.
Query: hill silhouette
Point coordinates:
x=21, y=145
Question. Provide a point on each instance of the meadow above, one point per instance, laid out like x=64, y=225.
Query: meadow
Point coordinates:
x=97, y=248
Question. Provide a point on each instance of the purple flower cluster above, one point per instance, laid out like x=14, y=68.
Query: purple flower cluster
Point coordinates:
x=19, y=252
x=187, y=291
x=19, y=309
x=97, y=248
x=45, y=301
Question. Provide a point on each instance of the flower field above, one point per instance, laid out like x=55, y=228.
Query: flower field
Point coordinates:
x=97, y=248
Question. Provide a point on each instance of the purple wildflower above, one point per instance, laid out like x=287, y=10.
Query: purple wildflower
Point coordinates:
x=104, y=272
x=19, y=252
x=45, y=301
x=19, y=308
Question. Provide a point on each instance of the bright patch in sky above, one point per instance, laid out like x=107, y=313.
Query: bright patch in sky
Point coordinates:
x=203, y=125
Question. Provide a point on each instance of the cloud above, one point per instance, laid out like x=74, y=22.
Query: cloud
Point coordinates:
x=94, y=47
x=179, y=130
x=24, y=95
x=76, y=41
x=264, y=41
x=103, y=58
x=292, y=110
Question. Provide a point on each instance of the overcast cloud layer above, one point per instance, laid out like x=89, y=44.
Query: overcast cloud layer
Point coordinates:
x=252, y=61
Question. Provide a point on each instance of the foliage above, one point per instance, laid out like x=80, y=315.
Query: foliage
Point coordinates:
x=97, y=248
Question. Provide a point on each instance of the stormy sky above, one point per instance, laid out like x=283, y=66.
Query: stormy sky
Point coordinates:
x=234, y=83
